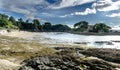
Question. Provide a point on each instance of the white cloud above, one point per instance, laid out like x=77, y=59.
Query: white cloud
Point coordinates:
x=69, y=3
x=48, y=14
x=86, y=12
x=106, y=5
x=99, y=5
x=114, y=15
x=63, y=16
x=26, y=7
x=29, y=7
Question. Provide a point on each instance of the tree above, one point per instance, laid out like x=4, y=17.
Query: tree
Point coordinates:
x=36, y=24
x=101, y=27
x=19, y=23
x=12, y=19
x=5, y=23
x=2, y=16
x=60, y=28
x=20, y=20
x=47, y=26
x=27, y=21
x=27, y=25
x=81, y=26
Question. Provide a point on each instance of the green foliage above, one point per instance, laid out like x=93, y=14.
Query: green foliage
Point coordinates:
x=4, y=20
x=12, y=19
x=19, y=23
x=101, y=27
x=36, y=24
x=81, y=26
x=5, y=23
x=20, y=20
x=47, y=26
x=60, y=27
x=25, y=25
x=27, y=21
x=3, y=16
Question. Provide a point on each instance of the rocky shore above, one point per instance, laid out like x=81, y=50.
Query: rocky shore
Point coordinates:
x=29, y=55
x=70, y=59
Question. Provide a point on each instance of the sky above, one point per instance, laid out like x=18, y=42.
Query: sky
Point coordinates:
x=64, y=11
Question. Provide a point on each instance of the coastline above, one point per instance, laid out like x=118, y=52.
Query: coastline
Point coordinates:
x=97, y=34
x=88, y=52
x=5, y=32
x=19, y=34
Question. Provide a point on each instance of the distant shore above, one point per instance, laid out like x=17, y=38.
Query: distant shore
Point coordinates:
x=25, y=33
x=20, y=34
x=81, y=33
x=91, y=33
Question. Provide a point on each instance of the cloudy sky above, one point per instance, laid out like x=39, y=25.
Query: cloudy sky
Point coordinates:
x=64, y=11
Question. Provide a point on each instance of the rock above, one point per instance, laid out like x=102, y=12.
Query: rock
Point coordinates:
x=50, y=62
x=41, y=67
x=26, y=68
x=64, y=61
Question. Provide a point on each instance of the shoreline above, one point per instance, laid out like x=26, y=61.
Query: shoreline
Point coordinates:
x=4, y=31
x=95, y=34
x=106, y=54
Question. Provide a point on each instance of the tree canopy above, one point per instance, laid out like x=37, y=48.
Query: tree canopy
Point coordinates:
x=12, y=19
x=47, y=26
x=22, y=24
x=36, y=23
x=4, y=22
x=101, y=27
x=81, y=26
x=60, y=27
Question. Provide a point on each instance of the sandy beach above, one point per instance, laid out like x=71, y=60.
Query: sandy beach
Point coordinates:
x=20, y=34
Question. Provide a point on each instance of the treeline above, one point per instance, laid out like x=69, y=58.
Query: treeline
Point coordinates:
x=35, y=25
x=84, y=26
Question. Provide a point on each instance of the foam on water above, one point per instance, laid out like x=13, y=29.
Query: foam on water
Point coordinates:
x=59, y=37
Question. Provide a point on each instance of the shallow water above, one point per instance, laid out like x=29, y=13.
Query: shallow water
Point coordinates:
x=108, y=41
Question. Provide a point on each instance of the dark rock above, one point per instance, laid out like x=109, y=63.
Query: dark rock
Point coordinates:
x=112, y=55
x=26, y=68
x=62, y=61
